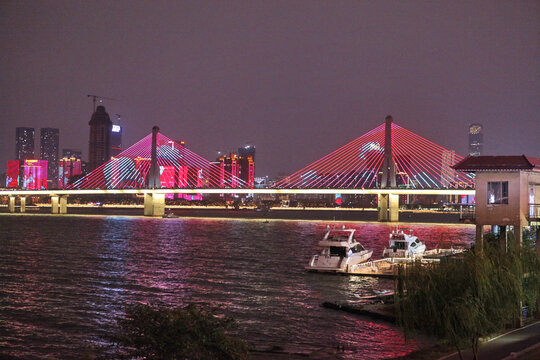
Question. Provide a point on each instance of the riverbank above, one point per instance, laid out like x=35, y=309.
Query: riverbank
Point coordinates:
x=319, y=214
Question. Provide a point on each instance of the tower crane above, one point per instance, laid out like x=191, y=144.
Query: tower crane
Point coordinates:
x=101, y=98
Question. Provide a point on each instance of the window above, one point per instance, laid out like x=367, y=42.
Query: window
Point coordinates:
x=497, y=192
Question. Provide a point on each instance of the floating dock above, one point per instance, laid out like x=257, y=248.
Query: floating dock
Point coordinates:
x=386, y=268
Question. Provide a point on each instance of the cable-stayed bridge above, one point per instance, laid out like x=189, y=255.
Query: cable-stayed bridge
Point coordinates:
x=387, y=161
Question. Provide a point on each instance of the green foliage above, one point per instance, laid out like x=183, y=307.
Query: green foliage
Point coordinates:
x=180, y=333
x=461, y=300
x=531, y=271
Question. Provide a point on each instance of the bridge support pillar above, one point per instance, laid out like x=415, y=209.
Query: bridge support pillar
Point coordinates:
x=393, y=205
x=54, y=204
x=59, y=204
x=382, y=207
x=154, y=204
x=388, y=207
x=23, y=204
x=63, y=205
x=11, y=204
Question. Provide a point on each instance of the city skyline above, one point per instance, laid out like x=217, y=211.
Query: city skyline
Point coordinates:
x=291, y=78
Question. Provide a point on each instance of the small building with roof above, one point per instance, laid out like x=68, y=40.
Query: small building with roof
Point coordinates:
x=507, y=193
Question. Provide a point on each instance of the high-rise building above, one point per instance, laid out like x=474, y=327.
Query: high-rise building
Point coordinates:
x=448, y=174
x=476, y=139
x=72, y=153
x=24, y=143
x=68, y=168
x=246, y=160
x=248, y=150
x=241, y=166
x=34, y=175
x=116, y=140
x=12, y=173
x=100, y=138
x=48, y=146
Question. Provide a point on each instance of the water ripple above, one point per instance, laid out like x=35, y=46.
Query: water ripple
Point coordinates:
x=66, y=279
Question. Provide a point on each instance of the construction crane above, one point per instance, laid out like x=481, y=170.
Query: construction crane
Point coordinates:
x=101, y=98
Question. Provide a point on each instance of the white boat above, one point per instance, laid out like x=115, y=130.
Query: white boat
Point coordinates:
x=340, y=251
x=403, y=244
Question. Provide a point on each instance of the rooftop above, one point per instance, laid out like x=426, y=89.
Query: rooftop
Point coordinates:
x=503, y=163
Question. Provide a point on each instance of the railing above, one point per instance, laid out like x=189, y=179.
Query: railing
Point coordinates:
x=467, y=212
x=534, y=212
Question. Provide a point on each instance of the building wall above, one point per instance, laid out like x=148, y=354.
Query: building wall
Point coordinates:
x=49, y=148
x=476, y=139
x=100, y=138
x=517, y=209
x=24, y=143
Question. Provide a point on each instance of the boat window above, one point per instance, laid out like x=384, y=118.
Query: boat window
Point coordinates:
x=358, y=248
x=337, y=251
x=338, y=238
x=399, y=245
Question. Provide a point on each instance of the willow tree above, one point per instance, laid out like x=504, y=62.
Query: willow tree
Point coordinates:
x=188, y=332
x=464, y=299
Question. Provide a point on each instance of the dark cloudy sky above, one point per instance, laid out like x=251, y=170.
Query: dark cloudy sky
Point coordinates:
x=296, y=78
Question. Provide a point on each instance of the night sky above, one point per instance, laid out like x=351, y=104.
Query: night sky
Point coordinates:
x=296, y=78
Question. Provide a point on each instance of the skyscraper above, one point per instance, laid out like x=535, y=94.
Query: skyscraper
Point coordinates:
x=72, y=153
x=24, y=143
x=240, y=166
x=48, y=146
x=246, y=162
x=476, y=139
x=116, y=140
x=100, y=138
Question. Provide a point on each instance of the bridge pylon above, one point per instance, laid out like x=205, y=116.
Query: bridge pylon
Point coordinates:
x=153, y=177
x=388, y=167
x=388, y=203
x=154, y=204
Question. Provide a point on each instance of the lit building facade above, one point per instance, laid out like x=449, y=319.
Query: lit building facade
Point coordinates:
x=34, y=175
x=49, y=148
x=448, y=174
x=24, y=143
x=476, y=139
x=72, y=153
x=241, y=167
x=67, y=169
x=12, y=174
x=100, y=138
x=116, y=140
x=507, y=193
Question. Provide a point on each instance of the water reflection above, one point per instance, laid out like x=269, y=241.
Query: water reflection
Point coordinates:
x=65, y=279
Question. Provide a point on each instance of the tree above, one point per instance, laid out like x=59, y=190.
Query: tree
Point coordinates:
x=463, y=299
x=181, y=333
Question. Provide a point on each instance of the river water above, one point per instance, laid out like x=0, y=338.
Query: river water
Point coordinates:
x=65, y=279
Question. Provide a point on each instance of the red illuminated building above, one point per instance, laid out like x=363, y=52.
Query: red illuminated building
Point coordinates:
x=29, y=174
x=34, y=175
x=68, y=168
x=12, y=174
x=239, y=167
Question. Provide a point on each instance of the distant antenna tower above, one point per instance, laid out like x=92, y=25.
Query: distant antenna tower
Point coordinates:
x=101, y=98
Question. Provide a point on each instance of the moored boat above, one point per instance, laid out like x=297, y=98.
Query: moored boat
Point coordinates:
x=340, y=251
x=403, y=244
